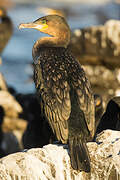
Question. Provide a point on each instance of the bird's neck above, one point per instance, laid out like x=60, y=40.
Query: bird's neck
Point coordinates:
x=59, y=40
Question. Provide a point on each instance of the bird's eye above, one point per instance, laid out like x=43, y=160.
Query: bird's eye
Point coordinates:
x=43, y=21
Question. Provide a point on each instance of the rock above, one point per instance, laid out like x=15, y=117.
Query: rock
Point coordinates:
x=98, y=45
x=11, y=107
x=10, y=143
x=15, y=125
x=11, y=122
x=53, y=162
x=3, y=85
x=104, y=81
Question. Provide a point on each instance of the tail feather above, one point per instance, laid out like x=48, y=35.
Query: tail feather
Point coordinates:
x=79, y=155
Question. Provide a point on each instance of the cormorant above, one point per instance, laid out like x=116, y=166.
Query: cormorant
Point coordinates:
x=6, y=29
x=67, y=100
x=111, y=117
x=38, y=133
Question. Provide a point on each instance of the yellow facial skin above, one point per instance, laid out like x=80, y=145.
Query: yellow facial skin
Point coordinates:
x=53, y=25
x=41, y=26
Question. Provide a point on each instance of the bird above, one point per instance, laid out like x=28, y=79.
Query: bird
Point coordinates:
x=111, y=117
x=38, y=132
x=6, y=29
x=63, y=90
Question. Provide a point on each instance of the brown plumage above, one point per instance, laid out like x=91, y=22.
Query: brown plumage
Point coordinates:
x=6, y=29
x=61, y=83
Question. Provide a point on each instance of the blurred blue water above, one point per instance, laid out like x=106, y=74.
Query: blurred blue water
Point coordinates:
x=18, y=53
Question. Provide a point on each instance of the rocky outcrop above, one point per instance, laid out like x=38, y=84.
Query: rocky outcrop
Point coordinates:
x=11, y=107
x=10, y=123
x=53, y=162
x=3, y=85
x=104, y=81
x=98, y=45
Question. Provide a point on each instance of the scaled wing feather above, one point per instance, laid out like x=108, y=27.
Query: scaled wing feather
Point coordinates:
x=56, y=99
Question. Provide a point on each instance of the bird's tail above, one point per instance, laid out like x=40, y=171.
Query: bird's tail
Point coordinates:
x=79, y=154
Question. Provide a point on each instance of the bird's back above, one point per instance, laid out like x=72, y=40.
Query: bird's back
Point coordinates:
x=67, y=101
x=57, y=68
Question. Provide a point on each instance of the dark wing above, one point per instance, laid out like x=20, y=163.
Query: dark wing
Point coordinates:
x=86, y=100
x=54, y=91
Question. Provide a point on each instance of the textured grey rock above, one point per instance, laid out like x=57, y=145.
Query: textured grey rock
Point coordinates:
x=52, y=162
x=104, y=81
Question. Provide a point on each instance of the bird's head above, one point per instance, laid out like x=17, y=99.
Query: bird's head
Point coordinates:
x=53, y=25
